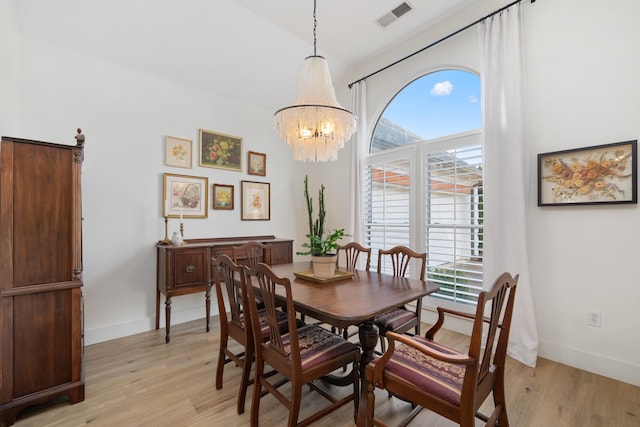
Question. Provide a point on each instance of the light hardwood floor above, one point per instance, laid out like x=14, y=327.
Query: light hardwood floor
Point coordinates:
x=141, y=381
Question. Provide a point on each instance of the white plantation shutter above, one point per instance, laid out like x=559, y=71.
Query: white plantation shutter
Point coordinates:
x=454, y=221
x=387, y=206
x=435, y=206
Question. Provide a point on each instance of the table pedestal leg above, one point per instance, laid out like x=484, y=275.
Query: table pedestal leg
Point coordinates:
x=368, y=334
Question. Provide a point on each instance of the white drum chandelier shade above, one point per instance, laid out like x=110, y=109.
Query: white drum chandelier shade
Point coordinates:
x=316, y=127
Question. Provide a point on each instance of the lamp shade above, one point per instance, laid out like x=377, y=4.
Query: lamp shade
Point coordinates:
x=316, y=127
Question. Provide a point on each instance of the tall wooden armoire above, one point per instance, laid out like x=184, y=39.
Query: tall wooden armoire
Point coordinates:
x=41, y=319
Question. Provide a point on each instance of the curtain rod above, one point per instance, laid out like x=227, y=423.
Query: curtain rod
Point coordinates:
x=437, y=42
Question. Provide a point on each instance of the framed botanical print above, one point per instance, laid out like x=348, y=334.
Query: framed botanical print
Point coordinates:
x=223, y=197
x=256, y=163
x=601, y=174
x=178, y=152
x=185, y=196
x=221, y=151
x=256, y=200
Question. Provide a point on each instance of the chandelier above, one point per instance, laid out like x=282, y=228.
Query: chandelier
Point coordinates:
x=316, y=126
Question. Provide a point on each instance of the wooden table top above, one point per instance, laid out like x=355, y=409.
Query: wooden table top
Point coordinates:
x=353, y=300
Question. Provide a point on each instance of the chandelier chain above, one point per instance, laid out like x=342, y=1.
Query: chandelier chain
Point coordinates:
x=315, y=23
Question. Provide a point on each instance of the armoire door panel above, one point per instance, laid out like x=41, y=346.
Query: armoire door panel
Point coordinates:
x=42, y=336
x=42, y=234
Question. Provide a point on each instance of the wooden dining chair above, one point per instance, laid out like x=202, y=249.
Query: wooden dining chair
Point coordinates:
x=251, y=253
x=401, y=319
x=352, y=252
x=229, y=280
x=451, y=383
x=302, y=355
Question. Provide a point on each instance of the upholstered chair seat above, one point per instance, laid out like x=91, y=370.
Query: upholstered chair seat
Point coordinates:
x=440, y=379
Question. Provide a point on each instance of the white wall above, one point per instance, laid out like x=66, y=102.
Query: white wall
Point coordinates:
x=582, y=91
x=9, y=69
x=125, y=115
x=582, y=65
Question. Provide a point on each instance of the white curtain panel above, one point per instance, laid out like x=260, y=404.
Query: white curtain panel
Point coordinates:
x=506, y=179
x=359, y=150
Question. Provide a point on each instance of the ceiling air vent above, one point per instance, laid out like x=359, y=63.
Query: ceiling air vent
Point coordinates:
x=396, y=13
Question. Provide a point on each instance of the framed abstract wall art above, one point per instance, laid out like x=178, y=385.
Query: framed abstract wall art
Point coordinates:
x=256, y=200
x=221, y=151
x=602, y=174
x=185, y=196
x=178, y=152
x=223, y=197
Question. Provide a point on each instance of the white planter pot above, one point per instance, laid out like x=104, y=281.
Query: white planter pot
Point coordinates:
x=324, y=266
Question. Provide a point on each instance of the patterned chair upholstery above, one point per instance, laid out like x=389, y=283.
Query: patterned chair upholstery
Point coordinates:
x=451, y=383
x=302, y=355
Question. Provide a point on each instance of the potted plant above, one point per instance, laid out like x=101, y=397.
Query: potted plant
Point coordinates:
x=321, y=245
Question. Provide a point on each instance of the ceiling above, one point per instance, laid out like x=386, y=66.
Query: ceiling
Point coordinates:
x=349, y=29
x=248, y=50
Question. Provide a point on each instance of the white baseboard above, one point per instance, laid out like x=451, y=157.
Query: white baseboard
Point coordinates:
x=119, y=330
x=598, y=364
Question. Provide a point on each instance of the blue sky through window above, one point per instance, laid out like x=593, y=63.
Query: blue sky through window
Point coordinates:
x=438, y=104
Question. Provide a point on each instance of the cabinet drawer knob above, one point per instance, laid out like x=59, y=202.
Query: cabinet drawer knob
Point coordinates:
x=190, y=269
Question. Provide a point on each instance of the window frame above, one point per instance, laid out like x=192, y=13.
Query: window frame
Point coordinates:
x=416, y=154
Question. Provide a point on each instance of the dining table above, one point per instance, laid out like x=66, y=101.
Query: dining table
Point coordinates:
x=351, y=298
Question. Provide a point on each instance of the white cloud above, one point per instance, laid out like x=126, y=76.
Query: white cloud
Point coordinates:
x=473, y=99
x=442, y=89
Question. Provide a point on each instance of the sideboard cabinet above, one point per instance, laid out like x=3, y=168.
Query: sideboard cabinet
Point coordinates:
x=185, y=269
x=41, y=344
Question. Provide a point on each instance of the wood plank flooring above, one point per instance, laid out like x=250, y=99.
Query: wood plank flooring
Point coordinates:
x=141, y=381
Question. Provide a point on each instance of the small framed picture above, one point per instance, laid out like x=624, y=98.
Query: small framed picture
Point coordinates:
x=185, y=196
x=257, y=163
x=221, y=151
x=256, y=203
x=592, y=175
x=178, y=152
x=223, y=197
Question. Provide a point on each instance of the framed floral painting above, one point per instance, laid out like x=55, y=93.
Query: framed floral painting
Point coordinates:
x=257, y=163
x=593, y=175
x=178, y=152
x=223, y=197
x=256, y=200
x=221, y=151
x=185, y=196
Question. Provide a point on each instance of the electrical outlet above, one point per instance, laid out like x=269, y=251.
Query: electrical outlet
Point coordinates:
x=594, y=319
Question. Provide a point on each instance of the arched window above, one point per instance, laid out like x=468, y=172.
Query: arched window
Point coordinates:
x=424, y=179
x=435, y=105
